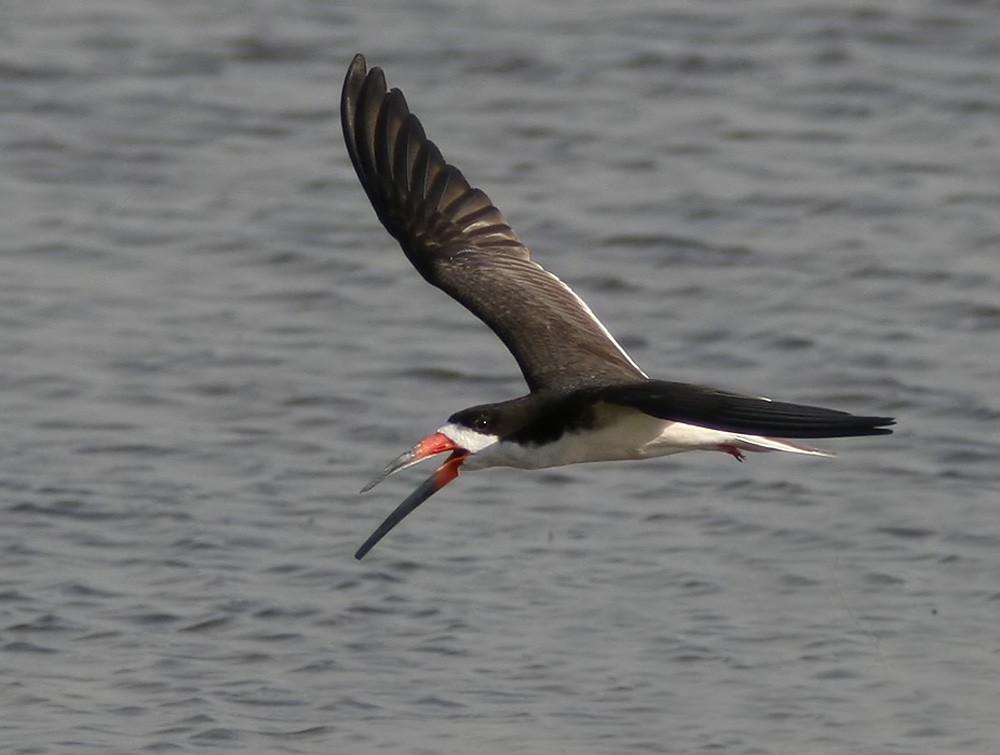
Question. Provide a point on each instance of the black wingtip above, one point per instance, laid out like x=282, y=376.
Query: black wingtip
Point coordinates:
x=859, y=426
x=880, y=426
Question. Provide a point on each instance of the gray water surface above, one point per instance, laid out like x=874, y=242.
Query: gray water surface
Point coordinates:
x=209, y=344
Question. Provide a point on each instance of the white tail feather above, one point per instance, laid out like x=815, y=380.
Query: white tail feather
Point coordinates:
x=760, y=443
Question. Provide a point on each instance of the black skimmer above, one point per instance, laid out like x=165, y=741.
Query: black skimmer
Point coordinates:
x=588, y=399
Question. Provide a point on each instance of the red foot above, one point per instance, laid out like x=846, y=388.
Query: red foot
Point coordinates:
x=732, y=451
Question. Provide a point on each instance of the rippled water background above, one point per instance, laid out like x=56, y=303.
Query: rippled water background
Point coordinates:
x=209, y=344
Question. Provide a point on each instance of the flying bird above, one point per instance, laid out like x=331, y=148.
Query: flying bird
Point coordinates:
x=588, y=400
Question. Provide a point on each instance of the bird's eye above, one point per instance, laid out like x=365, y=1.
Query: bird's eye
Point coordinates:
x=482, y=423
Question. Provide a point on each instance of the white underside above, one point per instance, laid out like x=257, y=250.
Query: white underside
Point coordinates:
x=633, y=436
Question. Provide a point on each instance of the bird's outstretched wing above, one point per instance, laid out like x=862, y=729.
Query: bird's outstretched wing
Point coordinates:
x=732, y=412
x=460, y=242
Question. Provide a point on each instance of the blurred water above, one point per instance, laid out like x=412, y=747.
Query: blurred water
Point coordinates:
x=209, y=344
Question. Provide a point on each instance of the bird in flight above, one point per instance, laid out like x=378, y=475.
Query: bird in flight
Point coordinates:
x=587, y=400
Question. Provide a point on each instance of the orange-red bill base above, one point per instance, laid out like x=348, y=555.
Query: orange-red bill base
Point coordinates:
x=435, y=443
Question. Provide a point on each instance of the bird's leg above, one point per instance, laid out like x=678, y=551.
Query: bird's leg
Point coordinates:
x=732, y=451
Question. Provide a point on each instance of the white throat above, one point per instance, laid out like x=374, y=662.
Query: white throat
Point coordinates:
x=469, y=439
